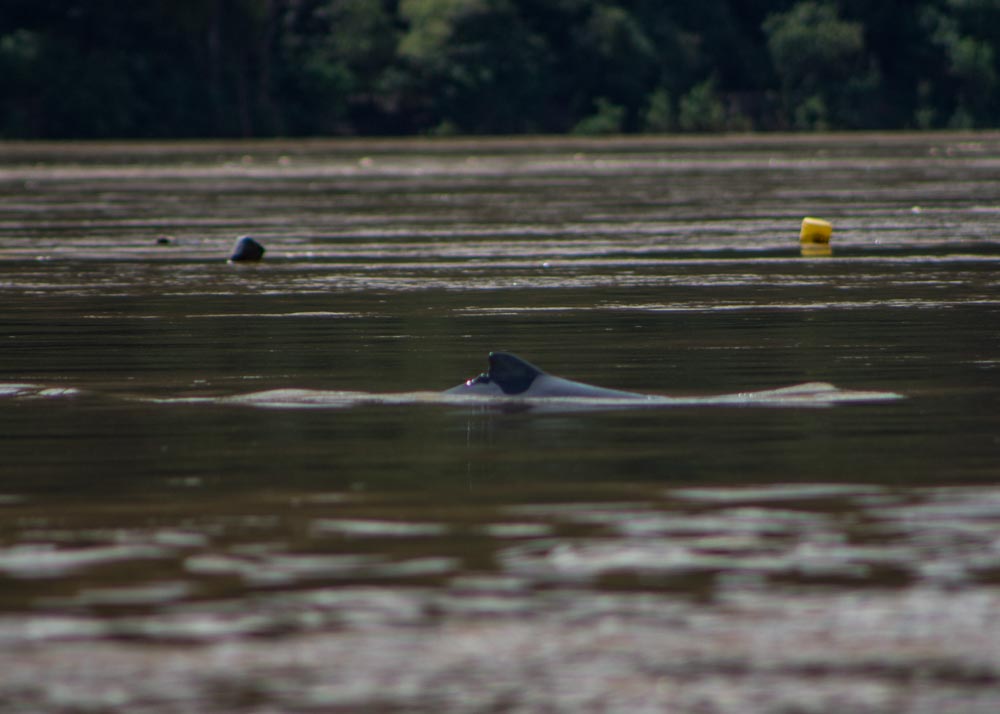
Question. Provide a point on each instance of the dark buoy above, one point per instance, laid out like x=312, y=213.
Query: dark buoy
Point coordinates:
x=164, y=240
x=247, y=248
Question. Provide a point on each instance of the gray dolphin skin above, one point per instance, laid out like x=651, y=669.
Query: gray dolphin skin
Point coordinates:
x=511, y=376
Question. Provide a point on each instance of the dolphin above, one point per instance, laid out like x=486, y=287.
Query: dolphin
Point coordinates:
x=514, y=384
x=511, y=376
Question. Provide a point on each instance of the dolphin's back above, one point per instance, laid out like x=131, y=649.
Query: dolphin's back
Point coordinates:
x=547, y=385
x=511, y=376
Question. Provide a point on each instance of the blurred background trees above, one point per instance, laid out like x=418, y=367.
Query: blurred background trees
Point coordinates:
x=213, y=68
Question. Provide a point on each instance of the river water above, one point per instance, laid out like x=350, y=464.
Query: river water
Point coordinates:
x=178, y=536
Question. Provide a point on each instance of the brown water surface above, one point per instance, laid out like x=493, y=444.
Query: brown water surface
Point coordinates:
x=173, y=541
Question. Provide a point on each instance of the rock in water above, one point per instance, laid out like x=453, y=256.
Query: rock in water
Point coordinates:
x=247, y=248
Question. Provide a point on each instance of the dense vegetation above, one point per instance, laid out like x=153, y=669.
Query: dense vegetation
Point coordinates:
x=169, y=68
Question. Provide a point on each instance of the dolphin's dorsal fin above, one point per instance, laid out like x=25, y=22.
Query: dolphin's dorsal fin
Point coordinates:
x=511, y=373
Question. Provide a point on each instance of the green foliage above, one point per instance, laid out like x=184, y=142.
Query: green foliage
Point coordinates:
x=701, y=109
x=810, y=43
x=823, y=66
x=470, y=77
x=970, y=61
x=659, y=115
x=165, y=68
x=431, y=23
x=332, y=58
x=608, y=119
x=20, y=56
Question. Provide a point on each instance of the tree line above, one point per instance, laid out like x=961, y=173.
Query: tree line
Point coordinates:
x=241, y=68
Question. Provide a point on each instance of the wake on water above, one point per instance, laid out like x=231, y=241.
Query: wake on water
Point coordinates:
x=811, y=394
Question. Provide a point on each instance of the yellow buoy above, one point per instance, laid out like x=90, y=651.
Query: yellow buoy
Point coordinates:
x=815, y=230
x=816, y=250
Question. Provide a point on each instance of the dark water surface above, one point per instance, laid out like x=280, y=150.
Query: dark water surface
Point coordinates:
x=172, y=541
